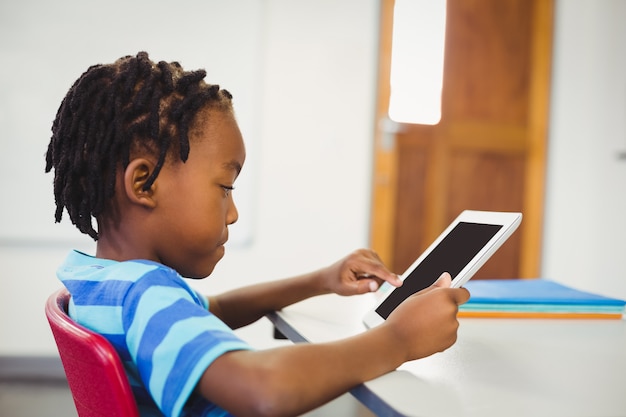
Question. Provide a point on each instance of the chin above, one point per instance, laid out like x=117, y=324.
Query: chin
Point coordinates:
x=206, y=268
x=199, y=274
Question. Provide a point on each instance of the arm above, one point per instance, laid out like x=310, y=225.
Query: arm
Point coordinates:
x=360, y=272
x=291, y=380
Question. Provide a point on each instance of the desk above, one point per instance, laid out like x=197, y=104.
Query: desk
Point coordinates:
x=498, y=367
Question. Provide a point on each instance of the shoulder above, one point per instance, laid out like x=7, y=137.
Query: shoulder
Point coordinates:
x=158, y=284
x=103, y=282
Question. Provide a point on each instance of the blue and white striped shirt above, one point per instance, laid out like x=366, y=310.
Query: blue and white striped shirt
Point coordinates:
x=161, y=328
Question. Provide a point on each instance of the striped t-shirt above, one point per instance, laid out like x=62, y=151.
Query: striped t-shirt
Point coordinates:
x=161, y=328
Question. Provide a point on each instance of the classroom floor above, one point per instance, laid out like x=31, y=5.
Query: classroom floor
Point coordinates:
x=52, y=398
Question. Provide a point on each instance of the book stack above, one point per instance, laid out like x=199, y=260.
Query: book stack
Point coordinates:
x=536, y=298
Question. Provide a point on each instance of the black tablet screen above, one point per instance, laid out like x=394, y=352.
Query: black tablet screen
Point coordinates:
x=451, y=255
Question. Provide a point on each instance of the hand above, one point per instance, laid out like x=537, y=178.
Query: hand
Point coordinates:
x=360, y=272
x=426, y=322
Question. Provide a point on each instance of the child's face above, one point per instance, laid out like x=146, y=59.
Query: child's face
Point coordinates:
x=195, y=200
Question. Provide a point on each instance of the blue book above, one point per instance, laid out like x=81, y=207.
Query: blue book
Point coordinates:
x=533, y=291
x=536, y=298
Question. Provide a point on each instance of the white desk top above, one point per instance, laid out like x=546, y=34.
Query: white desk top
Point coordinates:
x=498, y=367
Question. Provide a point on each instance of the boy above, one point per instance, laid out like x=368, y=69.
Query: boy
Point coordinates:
x=151, y=152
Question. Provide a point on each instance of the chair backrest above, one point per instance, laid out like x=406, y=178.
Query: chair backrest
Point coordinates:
x=94, y=371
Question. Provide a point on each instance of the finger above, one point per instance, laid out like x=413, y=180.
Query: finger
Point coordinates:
x=369, y=265
x=372, y=285
x=363, y=286
x=461, y=295
x=444, y=280
x=376, y=282
x=393, y=279
x=376, y=270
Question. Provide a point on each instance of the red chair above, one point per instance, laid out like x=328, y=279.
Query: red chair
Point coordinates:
x=93, y=369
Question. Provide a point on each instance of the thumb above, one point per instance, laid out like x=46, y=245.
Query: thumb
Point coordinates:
x=461, y=295
x=362, y=286
x=368, y=285
x=444, y=280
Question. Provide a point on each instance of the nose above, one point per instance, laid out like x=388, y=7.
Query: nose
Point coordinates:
x=232, y=215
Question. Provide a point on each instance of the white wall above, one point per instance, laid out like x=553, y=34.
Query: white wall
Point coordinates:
x=303, y=77
x=585, y=222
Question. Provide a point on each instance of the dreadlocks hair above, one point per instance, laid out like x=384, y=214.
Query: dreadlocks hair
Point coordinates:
x=113, y=109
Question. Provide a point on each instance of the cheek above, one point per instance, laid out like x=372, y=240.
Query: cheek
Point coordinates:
x=207, y=216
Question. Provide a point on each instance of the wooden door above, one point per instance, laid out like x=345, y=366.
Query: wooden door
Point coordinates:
x=488, y=151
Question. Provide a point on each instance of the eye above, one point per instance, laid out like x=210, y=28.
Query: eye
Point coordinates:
x=227, y=189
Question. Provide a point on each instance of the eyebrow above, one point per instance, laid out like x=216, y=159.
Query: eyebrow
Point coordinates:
x=233, y=165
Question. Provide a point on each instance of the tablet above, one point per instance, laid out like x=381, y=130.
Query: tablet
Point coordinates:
x=463, y=247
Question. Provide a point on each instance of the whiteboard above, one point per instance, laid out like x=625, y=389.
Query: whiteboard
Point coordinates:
x=46, y=46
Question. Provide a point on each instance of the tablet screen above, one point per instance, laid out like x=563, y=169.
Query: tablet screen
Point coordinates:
x=451, y=255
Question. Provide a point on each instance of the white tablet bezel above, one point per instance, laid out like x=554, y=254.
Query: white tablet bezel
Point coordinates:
x=509, y=222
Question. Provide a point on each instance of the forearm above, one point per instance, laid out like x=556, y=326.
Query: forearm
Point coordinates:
x=295, y=379
x=245, y=305
x=360, y=272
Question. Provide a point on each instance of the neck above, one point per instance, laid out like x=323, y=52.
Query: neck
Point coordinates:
x=122, y=241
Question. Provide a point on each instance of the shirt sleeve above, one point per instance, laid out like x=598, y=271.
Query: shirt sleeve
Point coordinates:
x=172, y=338
x=204, y=300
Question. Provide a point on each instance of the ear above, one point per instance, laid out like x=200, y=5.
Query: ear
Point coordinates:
x=135, y=176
